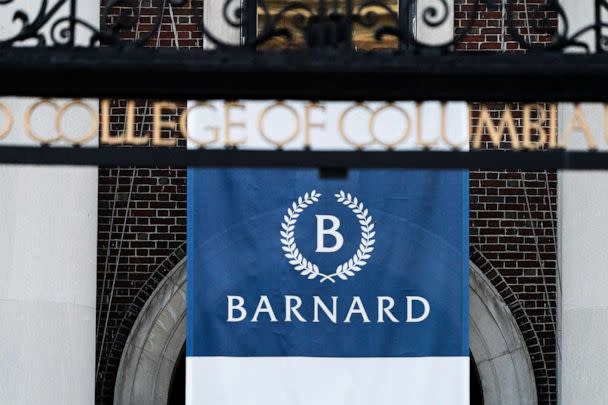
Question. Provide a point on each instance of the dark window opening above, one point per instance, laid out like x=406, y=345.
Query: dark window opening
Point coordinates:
x=177, y=389
x=475, y=383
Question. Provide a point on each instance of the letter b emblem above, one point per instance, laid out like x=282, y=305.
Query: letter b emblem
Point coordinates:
x=331, y=231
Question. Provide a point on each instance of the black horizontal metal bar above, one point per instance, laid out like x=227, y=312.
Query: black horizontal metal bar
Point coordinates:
x=177, y=157
x=308, y=74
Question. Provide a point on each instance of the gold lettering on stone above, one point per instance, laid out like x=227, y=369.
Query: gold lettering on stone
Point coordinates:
x=183, y=124
x=495, y=133
x=296, y=127
x=308, y=124
x=342, y=120
x=230, y=106
x=578, y=123
x=158, y=124
x=29, y=112
x=8, y=125
x=91, y=132
x=419, y=136
x=531, y=126
x=404, y=134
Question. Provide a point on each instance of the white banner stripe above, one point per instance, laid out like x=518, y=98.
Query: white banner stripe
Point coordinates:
x=331, y=381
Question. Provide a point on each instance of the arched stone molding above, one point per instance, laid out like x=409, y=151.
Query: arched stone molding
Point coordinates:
x=498, y=346
x=154, y=344
x=110, y=366
x=159, y=333
x=533, y=343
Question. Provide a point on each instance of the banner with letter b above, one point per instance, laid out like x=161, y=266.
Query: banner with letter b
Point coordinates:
x=304, y=290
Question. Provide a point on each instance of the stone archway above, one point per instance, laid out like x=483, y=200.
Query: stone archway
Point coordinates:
x=158, y=335
x=154, y=344
x=498, y=346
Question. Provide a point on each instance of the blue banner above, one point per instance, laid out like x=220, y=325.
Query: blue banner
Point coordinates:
x=284, y=264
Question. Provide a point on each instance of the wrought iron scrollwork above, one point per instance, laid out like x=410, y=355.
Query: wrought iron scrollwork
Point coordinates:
x=322, y=23
x=31, y=27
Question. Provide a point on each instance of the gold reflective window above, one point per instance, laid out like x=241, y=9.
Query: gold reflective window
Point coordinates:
x=294, y=16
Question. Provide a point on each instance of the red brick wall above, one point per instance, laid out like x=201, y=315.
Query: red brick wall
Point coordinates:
x=149, y=13
x=147, y=211
x=142, y=211
x=141, y=236
x=513, y=213
x=486, y=32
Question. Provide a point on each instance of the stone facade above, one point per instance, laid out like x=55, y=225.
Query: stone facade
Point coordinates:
x=142, y=216
x=513, y=216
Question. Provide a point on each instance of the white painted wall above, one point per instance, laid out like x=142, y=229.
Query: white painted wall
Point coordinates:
x=435, y=35
x=48, y=233
x=215, y=23
x=584, y=300
x=583, y=260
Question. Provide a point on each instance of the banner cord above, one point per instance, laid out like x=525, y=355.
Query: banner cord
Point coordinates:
x=538, y=256
x=146, y=111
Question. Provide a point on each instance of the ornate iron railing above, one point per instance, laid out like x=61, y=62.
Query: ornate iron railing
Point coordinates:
x=323, y=23
x=110, y=65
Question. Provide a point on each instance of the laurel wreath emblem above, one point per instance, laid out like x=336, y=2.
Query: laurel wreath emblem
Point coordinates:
x=307, y=268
